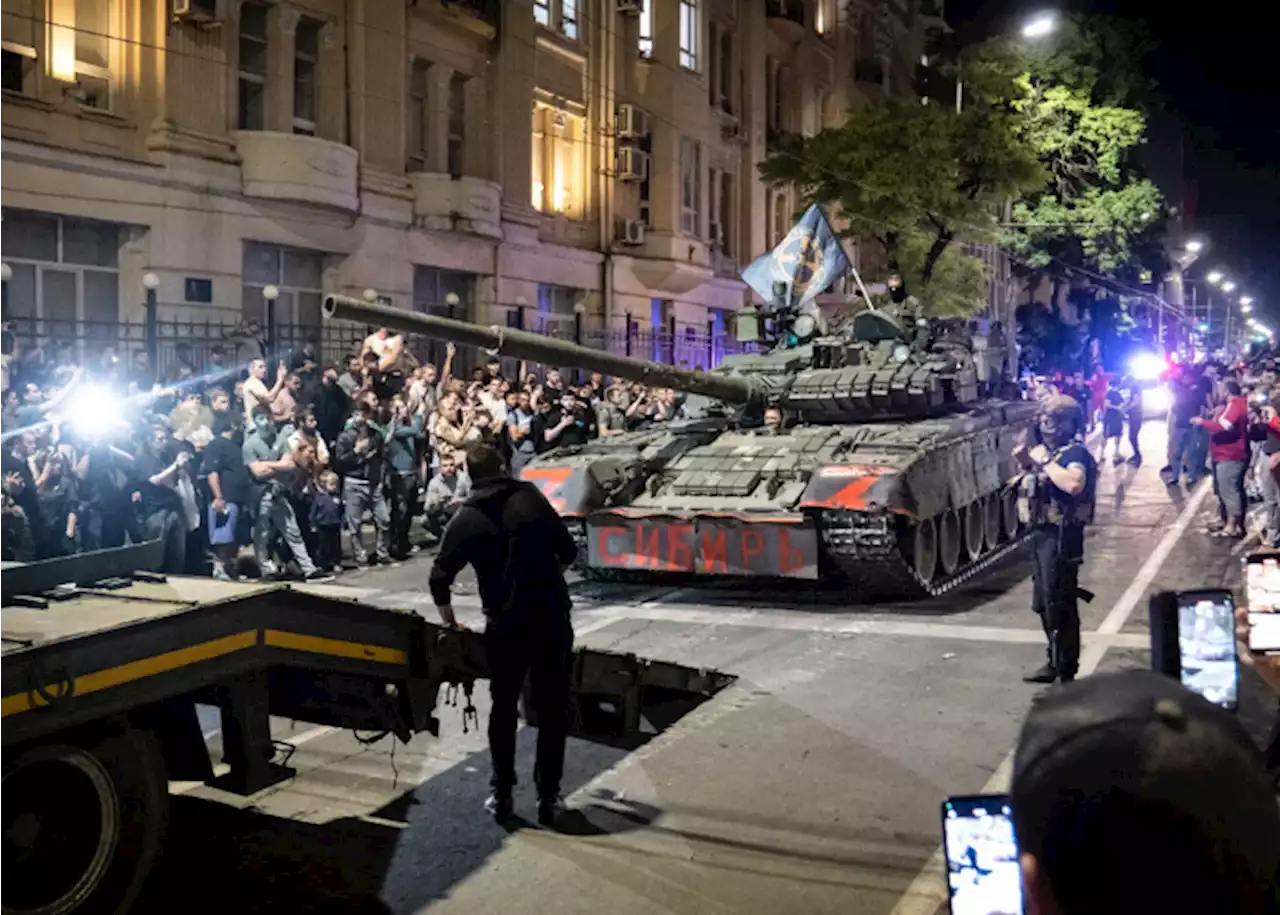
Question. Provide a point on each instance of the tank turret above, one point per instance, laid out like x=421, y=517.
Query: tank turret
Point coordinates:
x=735, y=390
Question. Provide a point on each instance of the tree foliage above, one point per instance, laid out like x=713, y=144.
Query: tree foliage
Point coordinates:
x=915, y=179
x=1079, y=99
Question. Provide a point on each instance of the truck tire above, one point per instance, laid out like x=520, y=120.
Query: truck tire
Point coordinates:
x=83, y=824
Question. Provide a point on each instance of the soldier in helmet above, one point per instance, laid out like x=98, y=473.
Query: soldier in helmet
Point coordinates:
x=1056, y=501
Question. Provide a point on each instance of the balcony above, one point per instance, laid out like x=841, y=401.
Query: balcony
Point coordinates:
x=288, y=166
x=786, y=18
x=462, y=204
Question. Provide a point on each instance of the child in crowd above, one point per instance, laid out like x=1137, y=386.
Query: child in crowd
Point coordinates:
x=326, y=518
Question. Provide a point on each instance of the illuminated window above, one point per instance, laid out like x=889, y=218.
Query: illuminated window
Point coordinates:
x=689, y=34
x=569, y=18
x=558, y=161
x=823, y=20
x=93, y=54
x=646, y=29
x=542, y=12
x=690, y=187
x=253, y=67
x=306, y=54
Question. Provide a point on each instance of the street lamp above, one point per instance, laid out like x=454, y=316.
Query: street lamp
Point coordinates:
x=6, y=272
x=151, y=282
x=370, y=294
x=1228, y=286
x=1214, y=277
x=1195, y=246
x=1245, y=308
x=1040, y=25
x=269, y=296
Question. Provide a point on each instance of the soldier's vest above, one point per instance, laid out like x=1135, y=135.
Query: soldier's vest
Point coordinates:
x=1036, y=504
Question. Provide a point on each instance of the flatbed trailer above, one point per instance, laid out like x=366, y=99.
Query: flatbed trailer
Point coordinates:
x=100, y=683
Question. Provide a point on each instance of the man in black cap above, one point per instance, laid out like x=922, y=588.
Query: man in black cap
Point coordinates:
x=1132, y=794
x=1056, y=501
x=519, y=547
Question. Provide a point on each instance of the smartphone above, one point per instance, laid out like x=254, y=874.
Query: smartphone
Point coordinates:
x=983, y=872
x=1262, y=597
x=1193, y=639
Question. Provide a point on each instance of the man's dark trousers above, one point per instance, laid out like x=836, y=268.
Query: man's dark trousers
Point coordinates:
x=543, y=650
x=1055, y=574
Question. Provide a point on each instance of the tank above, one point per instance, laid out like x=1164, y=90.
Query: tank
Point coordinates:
x=889, y=474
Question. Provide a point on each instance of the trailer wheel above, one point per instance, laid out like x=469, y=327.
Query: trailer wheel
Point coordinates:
x=83, y=824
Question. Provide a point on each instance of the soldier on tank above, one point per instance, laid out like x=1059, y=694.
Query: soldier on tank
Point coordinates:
x=1056, y=501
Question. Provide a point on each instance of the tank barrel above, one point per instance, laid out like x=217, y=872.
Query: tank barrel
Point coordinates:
x=521, y=344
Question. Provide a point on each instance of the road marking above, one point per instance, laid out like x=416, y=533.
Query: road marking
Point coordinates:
x=928, y=892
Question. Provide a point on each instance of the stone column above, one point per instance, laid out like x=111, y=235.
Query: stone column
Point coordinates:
x=331, y=88
x=512, y=106
x=282, y=27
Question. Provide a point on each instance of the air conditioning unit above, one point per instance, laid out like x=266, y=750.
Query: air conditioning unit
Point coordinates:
x=630, y=122
x=196, y=10
x=631, y=7
x=630, y=231
x=632, y=164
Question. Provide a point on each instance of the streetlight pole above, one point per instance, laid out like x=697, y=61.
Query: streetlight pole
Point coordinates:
x=151, y=282
x=269, y=296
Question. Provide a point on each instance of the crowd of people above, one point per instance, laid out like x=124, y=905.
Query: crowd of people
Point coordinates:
x=293, y=457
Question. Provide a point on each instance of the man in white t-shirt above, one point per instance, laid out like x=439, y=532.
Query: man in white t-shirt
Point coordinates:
x=386, y=346
x=255, y=387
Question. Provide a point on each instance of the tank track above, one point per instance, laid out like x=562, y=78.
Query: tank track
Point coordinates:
x=864, y=550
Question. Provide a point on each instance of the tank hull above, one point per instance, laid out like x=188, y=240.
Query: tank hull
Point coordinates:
x=889, y=511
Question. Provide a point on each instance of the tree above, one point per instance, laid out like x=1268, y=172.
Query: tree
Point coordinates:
x=915, y=179
x=1078, y=100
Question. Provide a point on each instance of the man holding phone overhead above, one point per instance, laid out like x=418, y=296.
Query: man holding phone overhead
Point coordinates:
x=1056, y=495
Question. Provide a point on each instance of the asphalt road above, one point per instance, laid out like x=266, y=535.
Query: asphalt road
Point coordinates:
x=810, y=785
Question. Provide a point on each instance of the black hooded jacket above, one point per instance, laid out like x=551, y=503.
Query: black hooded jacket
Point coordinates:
x=518, y=546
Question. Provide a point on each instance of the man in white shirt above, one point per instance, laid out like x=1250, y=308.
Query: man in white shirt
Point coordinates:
x=255, y=387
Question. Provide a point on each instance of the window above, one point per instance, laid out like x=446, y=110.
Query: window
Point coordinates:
x=253, y=67
x=457, y=124
x=824, y=107
x=646, y=185
x=690, y=187
x=297, y=273
x=646, y=30
x=19, y=45
x=418, y=117
x=93, y=54
x=773, y=104
x=781, y=218
x=713, y=78
x=560, y=15
x=823, y=20
x=725, y=71
x=558, y=162
x=689, y=34
x=725, y=214
x=555, y=312
x=65, y=275
x=431, y=290
x=306, y=54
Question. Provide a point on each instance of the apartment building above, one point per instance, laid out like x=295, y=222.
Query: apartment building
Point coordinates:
x=529, y=163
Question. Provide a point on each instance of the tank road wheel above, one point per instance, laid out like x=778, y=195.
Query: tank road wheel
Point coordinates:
x=1010, y=526
x=82, y=824
x=924, y=550
x=991, y=519
x=972, y=515
x=950, y=541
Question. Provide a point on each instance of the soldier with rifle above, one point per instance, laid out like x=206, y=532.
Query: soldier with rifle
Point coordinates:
x=1056, y=496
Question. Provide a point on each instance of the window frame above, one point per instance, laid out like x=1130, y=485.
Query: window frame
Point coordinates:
x=691, y=221
x=421, y=102
x=251, y=76
x=301, y=125
x=551, y=15
x=456, y=140
x=96, y=73
x=645, y=42
x=287, y=304
x=690, y=37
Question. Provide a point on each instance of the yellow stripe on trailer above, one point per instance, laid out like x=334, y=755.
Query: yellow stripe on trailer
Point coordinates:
x=193, y=654
x=341, y=648
x=134, y=670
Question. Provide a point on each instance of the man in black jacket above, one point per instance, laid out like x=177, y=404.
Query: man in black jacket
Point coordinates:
x=519, y=549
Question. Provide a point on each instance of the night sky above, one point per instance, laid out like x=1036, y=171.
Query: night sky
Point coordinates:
x=1217, y=70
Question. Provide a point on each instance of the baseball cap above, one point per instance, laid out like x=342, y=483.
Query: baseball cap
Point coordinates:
x=1135, y=795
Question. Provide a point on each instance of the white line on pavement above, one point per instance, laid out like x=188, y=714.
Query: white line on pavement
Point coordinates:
x=928, y=891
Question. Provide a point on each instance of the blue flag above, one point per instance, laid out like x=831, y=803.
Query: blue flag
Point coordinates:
x=808, y=260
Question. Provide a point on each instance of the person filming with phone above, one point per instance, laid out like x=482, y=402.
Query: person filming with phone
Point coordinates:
x=1056, y=494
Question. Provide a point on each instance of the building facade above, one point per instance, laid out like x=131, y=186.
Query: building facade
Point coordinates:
x=533, y=163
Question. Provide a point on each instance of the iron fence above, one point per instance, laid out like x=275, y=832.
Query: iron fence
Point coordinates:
x=681, y=345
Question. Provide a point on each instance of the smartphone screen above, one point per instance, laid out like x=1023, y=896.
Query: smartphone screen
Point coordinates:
x=1262, y=591
x=1207, y=645
x=982, y=856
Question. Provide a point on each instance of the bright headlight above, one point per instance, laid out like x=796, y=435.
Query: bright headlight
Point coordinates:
x=94, y=411
x=805, y=326
x=1146, y=366
x=1159, y=398
x=901, y=353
